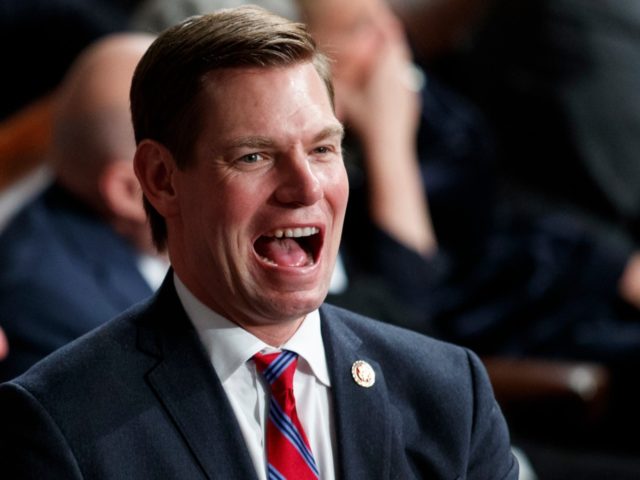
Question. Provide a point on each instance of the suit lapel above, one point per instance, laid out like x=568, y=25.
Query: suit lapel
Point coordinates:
x=361, y=414
x=188, y=388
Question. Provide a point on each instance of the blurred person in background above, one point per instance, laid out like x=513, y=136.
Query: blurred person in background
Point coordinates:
x=80, y=252
x=543, y=286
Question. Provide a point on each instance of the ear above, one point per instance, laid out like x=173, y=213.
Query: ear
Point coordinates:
x=121, y=191
x=155, y=168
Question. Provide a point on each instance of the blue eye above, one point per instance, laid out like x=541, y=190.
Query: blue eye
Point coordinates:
x=251, y=158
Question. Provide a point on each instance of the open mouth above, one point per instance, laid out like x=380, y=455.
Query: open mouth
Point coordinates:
x=290, y=247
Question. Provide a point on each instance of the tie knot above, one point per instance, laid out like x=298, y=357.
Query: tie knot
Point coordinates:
x=277, y=368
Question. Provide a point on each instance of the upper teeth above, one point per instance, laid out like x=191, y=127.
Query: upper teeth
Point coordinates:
x=295, y=232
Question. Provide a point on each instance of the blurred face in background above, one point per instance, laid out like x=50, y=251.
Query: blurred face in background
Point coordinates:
x=352, y=33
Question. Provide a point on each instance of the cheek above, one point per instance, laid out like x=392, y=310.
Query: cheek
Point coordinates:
x=239, y=203
x=201, y=214
x=231, y=216
x=337, y=190
x=218, y=200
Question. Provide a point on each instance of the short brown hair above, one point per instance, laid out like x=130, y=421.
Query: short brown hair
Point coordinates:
x=168, y=80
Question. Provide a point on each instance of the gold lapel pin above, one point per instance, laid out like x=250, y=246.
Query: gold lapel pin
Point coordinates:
x=363, y=373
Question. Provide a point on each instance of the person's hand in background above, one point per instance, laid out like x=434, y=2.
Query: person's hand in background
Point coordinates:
x=376, y=92
x=4, y=345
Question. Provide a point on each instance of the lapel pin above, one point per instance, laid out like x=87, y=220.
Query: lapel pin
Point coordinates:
x=363, y=373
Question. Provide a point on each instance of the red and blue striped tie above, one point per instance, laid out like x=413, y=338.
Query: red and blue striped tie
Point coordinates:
x=288, y=451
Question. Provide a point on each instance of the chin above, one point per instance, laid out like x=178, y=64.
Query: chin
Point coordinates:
x=295, y=305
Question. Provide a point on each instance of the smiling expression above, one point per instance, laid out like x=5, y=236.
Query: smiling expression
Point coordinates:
x=258, y=213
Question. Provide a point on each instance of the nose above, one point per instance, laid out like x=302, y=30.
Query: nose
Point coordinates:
x=298, y=183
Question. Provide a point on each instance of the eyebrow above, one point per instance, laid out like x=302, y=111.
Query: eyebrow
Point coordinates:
x=331, y=131
x=256, y=141
x=251, y=142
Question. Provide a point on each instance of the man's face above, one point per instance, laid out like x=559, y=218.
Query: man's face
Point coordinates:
x=261, y=206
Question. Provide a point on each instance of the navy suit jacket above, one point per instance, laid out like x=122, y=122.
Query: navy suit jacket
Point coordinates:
x=63, y=272
x=138, y=399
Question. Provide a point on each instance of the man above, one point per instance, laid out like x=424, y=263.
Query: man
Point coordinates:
x=240, y=162
x=70, y=258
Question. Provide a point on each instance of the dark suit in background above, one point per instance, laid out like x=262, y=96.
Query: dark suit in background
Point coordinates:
x=158, y=409
x=64, y=272
x=558, y=80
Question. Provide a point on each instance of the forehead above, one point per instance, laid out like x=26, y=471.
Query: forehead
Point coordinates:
x=236, y=100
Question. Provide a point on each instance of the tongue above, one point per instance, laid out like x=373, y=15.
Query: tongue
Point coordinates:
x=285, y=252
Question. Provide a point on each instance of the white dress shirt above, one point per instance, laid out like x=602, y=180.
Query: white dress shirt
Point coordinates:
x=230, y=350
x=153, y=269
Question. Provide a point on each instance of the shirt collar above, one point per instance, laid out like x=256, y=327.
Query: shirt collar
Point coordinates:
x=229, y=346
